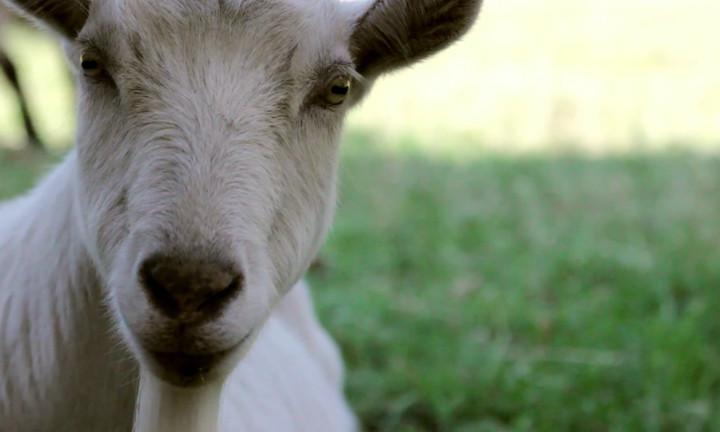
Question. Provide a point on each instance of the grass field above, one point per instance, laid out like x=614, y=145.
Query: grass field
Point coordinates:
x=529, y=232
x=531, y=293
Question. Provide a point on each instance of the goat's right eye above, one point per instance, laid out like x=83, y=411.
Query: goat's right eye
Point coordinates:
x=90, y=65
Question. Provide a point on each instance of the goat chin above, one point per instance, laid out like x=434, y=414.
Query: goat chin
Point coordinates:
x=162, y=407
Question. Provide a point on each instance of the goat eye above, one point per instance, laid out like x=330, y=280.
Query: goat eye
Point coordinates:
x=338, y=91
x=90, y=65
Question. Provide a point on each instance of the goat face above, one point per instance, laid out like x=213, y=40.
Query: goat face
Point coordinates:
x=207, y=151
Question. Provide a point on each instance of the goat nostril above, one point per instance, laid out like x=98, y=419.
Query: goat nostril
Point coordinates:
x=218, y=300
x=159, y=296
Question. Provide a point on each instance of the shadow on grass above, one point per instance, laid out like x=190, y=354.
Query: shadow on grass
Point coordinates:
x=529, y=293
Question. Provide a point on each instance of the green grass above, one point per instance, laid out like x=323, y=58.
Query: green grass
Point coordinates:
x=537, y=293
x=20, y=170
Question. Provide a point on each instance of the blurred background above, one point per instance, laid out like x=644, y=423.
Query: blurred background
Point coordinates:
x=529, y=232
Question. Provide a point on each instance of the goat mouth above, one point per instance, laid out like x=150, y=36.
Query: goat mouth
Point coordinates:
x=185, y=369
x=188, y=370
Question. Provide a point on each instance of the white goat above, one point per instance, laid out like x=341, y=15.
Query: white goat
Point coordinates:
x=152, y=270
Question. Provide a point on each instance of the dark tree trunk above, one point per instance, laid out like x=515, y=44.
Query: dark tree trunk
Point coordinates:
x=8, y=69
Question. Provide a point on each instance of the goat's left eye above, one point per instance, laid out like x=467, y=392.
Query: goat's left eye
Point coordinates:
x=338, y=91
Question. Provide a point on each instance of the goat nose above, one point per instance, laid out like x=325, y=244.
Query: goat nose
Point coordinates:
x=188, y=290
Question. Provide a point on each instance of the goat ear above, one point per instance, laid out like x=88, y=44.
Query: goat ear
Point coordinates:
x=396, y=33
x=66, y=17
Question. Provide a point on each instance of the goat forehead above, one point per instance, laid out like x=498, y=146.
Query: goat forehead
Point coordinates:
x=294, y=16
x=262, y=31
